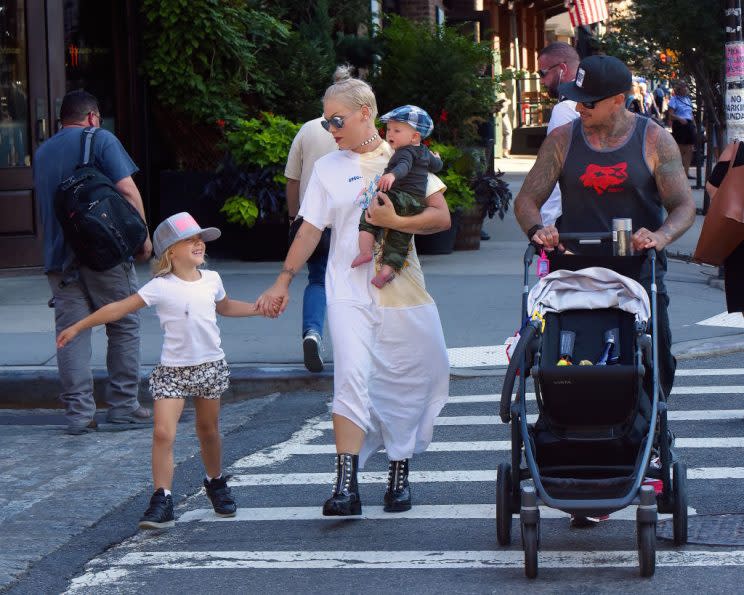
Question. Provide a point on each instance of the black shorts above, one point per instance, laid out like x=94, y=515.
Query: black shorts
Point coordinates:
x=684, y=134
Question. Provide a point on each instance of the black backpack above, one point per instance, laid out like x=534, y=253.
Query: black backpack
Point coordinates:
x=100, y=225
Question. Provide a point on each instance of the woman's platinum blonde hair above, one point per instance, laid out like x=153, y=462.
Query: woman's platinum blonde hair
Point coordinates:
x=352, y=92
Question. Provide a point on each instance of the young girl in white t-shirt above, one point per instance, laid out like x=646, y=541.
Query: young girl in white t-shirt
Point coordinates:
x=192, y=363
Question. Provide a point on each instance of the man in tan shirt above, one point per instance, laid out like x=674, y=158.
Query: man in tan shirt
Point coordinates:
x=310, y=144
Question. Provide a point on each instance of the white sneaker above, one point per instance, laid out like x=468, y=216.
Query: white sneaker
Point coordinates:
x=311, y=351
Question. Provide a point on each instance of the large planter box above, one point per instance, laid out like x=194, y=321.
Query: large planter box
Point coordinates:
x=442, y=242
x=183, y=191
x=469, y=229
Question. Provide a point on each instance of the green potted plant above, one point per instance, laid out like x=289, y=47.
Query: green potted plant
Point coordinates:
x=249, y=185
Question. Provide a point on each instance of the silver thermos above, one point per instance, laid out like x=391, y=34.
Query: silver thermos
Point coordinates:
x=622, y=230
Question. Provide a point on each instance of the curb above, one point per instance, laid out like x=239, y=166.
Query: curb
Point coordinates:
x=38, y=386
x=700, y=348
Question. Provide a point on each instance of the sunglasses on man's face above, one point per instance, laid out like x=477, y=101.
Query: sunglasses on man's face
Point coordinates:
x=593, y=104
x=543, y=72
x=336, y=121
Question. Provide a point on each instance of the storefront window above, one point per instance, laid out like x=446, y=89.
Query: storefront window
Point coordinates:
x=14, y=124
x=89, y=57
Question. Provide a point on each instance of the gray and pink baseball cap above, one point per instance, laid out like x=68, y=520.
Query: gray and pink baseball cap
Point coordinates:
x=180, y=226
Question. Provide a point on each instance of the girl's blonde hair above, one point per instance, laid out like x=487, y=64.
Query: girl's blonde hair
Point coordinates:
x=163, y=265
x=355, y=93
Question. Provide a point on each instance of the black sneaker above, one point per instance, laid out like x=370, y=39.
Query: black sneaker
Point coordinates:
x=159, y=515
x=219, y=493
x=311, y=351
x=77, y=430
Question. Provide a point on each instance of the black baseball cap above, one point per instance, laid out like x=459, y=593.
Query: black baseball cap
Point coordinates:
x=597, y=77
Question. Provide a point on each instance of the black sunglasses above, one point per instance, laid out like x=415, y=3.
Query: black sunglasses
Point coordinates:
x=544, y=72
x=593, y=104
x=336, y=121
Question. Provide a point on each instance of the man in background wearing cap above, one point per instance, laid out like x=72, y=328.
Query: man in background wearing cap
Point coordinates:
x=405, y=178
x=78, y=290
x=611, y=164
x=557, y=63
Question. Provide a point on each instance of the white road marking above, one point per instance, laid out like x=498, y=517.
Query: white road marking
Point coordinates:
x=460, y=475
x=709, y=372
x=478, y=357
x=735, y=389
x=489, y=420
x=436, y=560
x=282, y=451
x=420, y=511
x=474, y=446
x=86, y=583
x=731, y=320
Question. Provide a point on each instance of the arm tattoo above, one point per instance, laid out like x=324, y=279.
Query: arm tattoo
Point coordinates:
x=671, y=182
x=543, y=177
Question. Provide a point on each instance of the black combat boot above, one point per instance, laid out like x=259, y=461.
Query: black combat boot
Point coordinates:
x=344, y=500
x=398, y=494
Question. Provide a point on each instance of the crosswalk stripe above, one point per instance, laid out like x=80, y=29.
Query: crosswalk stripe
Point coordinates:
x=387, y=559
x=419, y=512
x=489, y=420
x=496, y=446
x=455, y=476
x=677, y=391
x=709, y=372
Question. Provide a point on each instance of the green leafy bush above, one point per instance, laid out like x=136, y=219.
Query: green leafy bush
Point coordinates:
x=250, y=180
x=439, y=70
x=241, y=210
x=459, y=194
x=205, y=57
x=262, y=142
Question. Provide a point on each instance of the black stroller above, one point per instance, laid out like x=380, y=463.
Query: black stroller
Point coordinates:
x=598, y=425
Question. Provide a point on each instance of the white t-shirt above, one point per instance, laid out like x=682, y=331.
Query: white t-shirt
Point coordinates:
x=310, y=144
x=341, y=186
x=188, y=317
x=563, y=112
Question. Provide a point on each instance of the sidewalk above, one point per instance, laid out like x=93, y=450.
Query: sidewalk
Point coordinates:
x=478, y=294
x=57, y=487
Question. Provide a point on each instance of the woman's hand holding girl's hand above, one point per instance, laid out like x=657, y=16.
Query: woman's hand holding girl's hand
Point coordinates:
x=381, y=215
x=272, y=302
x=66, y=336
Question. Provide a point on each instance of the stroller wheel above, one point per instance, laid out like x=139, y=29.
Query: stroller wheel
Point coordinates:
x=530, y=545
x=503, y=504
x=679, y=487
x=646, y=548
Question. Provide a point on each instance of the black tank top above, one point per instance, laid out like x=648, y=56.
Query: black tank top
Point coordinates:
x=598, y=186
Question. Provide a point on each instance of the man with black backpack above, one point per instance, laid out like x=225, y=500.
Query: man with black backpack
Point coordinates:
x=78, y=286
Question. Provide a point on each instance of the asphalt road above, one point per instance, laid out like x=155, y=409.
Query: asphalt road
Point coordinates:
x=279, y=543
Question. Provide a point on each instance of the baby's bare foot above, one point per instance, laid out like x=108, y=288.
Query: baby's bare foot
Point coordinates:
x=361, y=259
x=385, y=276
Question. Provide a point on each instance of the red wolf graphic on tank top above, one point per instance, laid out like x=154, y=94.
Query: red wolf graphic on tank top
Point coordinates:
x=604, y=178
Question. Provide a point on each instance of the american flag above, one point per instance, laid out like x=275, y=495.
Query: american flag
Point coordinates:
x=586, y=12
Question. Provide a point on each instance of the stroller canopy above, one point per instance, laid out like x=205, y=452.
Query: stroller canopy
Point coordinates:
x=592, y=288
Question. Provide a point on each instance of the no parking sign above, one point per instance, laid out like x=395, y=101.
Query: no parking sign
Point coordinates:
x=735, y=114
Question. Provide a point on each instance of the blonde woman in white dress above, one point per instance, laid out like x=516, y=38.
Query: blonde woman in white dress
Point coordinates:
x=391, y=372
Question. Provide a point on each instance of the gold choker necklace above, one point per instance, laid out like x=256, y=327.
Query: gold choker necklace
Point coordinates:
x=371, y=139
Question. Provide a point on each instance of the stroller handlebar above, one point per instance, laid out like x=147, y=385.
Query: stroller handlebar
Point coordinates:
x=596, y=236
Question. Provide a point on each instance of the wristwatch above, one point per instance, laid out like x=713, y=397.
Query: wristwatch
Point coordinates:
x=533, y=230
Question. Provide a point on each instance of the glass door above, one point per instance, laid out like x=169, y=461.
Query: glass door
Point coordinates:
x=24, y=124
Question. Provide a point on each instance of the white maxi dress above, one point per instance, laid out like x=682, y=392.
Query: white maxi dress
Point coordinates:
x=391, y=371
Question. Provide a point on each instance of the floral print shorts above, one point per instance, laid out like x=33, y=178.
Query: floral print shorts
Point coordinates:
x=208, y=380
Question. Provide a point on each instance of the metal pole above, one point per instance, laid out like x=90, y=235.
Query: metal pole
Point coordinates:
x=734, y=76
